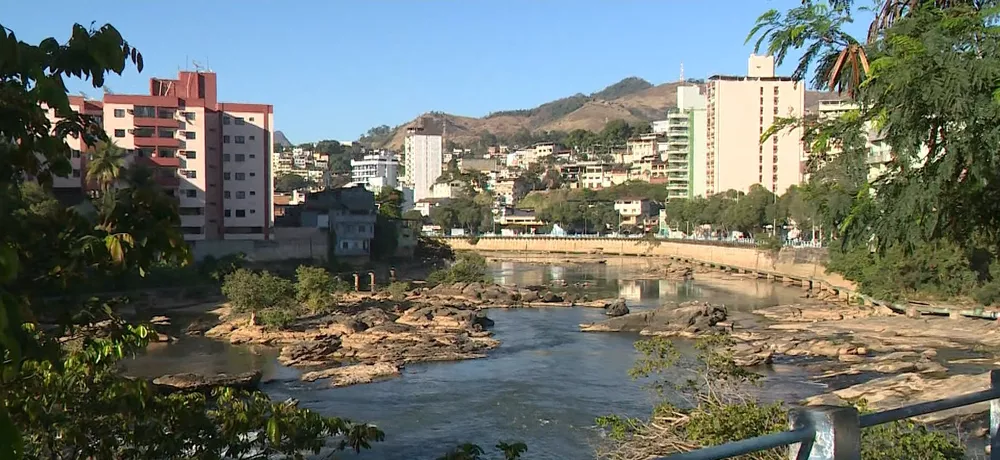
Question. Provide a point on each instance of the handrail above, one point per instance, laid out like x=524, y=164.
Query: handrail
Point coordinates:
x=834, y=432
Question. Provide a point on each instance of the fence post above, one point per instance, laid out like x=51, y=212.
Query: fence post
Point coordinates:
x=994, y=417
x=838, y=433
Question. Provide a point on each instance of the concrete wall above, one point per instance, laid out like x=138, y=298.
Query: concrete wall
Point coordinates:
x=289, y=244
x=804, y=263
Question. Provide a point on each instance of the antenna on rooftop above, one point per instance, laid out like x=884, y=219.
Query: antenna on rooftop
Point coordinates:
x=682, y=71
x=196, y=65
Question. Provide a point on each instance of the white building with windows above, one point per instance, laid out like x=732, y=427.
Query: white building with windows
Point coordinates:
x=375, y=171
x=423, y=159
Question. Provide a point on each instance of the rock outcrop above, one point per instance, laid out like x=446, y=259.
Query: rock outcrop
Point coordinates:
x=686, y=319
x=197, y=383
x=354, y=374
x=616, y=308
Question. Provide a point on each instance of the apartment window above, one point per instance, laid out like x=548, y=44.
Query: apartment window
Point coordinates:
x=251, y=138
x=253, y=156
x=190, y=135
x=241, y=195
x=775, y=110
x=241, y=213
x=189, y=116
x=253, y=174
x=225, y=119
x=227, y=157
x=192, y=193
x=361, y=228
x=239, y=121
x=225, y=139
x=119, y=133
x=226, y=176
x=189, y=173
x=76, y=173
x=166, y=133
x=227, y=194
x=251, y=118
x=119, y=113
x=252, y=193
x=76, y=153
x=165, y=113
x=190, y=154
x=228, y=213
x=240, y=140
x=761, y=90
x=241, y=176
x=240, y=157
x=144, y=152
x=144, y=111
x=253, y=211
x=775, y=90
x=191, y=211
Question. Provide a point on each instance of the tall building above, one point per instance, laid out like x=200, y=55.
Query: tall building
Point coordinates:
x=423, y=159
x=215, y=157
x=375, y=171
x=736, y=106
x=684, y=148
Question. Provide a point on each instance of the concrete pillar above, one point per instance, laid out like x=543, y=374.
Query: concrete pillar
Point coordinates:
x=371, y=276
x=392, y=275
x=838, y=433
x=357, y=283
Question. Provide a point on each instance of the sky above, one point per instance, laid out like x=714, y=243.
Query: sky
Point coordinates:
x=333, y=69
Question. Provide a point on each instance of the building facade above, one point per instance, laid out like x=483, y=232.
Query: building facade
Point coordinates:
x=375, y=171
x=215, y=157
x=739, y=110
x=424, y=159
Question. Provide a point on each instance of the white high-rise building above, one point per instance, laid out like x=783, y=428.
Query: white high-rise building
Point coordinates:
x=423, y=159
x=375, y=171
x=685, y=132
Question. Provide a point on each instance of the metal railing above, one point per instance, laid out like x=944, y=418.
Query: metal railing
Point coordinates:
x=834, y=432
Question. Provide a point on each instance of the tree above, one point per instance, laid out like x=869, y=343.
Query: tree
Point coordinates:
x=390, y=202
x=287, y=183
x=106, y=164
x=552, y=179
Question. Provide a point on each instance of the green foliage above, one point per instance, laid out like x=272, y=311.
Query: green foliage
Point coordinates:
x=398, y=290
x=218, y=269
x=314, y=287
x=470, y=267
x=253, y=292
x=377, y=137
x=433, y=250
x=286, y=183
x=511, y=451
x=625, y=87
x=472, y=212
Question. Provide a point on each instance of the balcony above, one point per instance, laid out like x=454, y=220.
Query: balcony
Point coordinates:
x=157, y=122
x=168, y=162
x=172, y=142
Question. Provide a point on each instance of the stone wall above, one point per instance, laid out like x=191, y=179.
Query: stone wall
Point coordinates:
x=804, y=263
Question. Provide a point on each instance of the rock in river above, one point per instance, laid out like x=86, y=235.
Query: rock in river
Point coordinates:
x=189, y=382
x=688, y=318
x=616, y=308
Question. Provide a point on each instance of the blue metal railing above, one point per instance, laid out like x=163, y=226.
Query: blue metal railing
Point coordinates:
x=834, y=433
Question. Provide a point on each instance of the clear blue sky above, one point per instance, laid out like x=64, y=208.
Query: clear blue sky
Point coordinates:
x=333, y=69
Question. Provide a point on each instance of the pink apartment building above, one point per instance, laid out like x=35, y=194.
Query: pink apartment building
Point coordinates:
x=215, y=157
x=740, y=109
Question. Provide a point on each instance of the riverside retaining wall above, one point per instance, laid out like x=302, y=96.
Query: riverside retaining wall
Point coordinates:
x=805, y=264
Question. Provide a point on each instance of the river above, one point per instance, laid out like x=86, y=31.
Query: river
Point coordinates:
x=544, y=385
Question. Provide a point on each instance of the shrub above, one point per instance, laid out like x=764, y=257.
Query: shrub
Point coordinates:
x=398, y=290
x=470, y=267
x=254, y=292
x=314, y=287
x=722, y=410
x=276, y=318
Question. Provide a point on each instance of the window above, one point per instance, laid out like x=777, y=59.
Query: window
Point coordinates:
x=144, y=132
x=239, y=121
x=225, y=139
x=191, y=211
x=227, y=157
x=225, y=119
x=226, y=194
x=253, y=211
x=144, y=111
x=228, y=213
x=241, y=195
x=241, y=213
x=361, y=228
x=241, y=176
x=189, y=173
x=119, y=113
x=189, y=116
x=240, y=140
x=165, y=113
x=190, y=154
x=252, y=193
x=253, y=156
x=251, y=118
x=119, y=133
x=192, y=193
x=226, y=176
x=76, y=153
x=190, y=135
x=240, y=157
x=144, y=152
x=343, y=245
x=253, y=174
x=251, y=138
x=76, y=173
x=166, y=133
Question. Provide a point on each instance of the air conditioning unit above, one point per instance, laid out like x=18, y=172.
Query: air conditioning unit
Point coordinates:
x=130, y=111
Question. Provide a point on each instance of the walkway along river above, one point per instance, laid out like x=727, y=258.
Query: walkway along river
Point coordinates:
x=543, y=386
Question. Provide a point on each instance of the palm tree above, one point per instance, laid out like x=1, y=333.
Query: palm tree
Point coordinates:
x=106, y=164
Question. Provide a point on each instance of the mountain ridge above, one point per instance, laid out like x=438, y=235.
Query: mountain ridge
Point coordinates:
x=632, y=99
